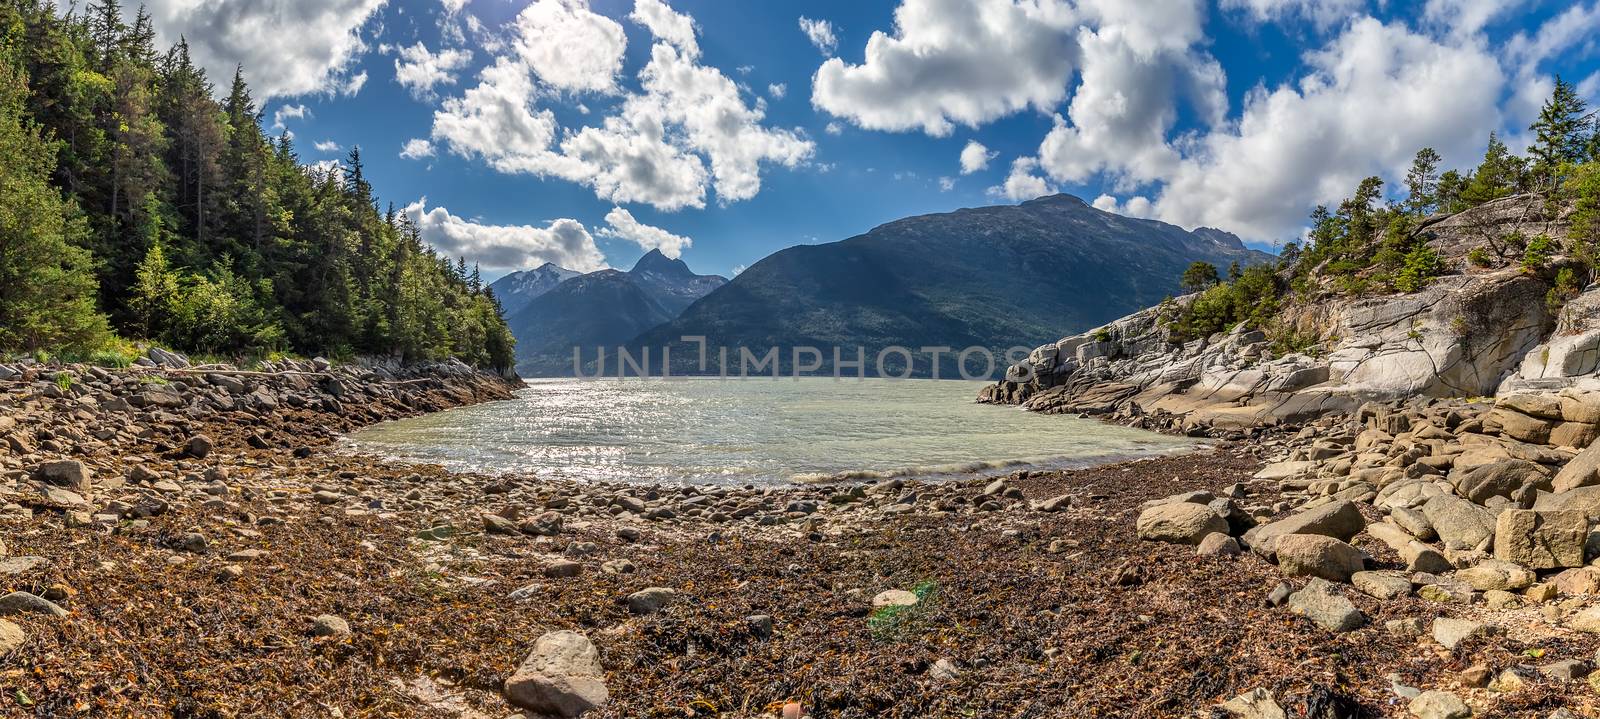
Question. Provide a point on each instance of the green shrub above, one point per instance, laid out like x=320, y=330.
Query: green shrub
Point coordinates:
x=1479, y=257
x=1537, y=254
x=1420, y=267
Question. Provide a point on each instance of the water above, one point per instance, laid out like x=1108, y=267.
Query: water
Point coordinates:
x=752, y=431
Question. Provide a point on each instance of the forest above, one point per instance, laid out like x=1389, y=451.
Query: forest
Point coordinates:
x=1367, y=246
x=138, y=204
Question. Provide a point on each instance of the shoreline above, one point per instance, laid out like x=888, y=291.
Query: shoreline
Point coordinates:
x=299, y=581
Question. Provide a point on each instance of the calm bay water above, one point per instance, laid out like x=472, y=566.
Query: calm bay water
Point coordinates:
x=751, y=431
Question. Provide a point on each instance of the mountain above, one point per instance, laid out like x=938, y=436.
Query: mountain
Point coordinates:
x=517, y=289
x=993, y=277
x=601, y=309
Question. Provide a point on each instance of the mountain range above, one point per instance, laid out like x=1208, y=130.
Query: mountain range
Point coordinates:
x=993, y=277
x=557, y=309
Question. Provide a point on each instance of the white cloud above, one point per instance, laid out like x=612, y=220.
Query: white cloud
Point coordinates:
x=565, y=242
x=1312, y=141
x=419, y=71
x=620, y=224
x=1464, y=17
x=947, y=184
x=452, y=7
x=289, y=112
x=834, y=128
x=685, y=131
x=354, y=84
x=327, y=146
x=1137, y=206
x=417, y=149
x=287, y=47
x=975, y=157
x=954, y=62
x=1321, y=12
x=570, y=47
x=1022, y=183
x=820, y=33
x=777, y=90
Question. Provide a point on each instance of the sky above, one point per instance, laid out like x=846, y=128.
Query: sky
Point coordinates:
x=586, y=132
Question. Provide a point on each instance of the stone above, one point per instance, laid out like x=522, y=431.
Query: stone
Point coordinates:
x=1420, y=557
x=1586, y=620
x=1540, y=593
x=1476, y=675
x=561, y=677
x=944, y=670
x=1582, y=471
x=1438, y=705
x=1382, y=584
x=329, y=625
x=1498, y=600
x=1415, y=523
x=1056, y=504
x=1459, y=523
x=1257, y=703
x=496, y=524
x=1321, y=602
x=1513, y=479
x=1497, y=574
x=1340, y=520
x=1566, y=670
x=198, y=446
x=760, y=625
x=649, y=600
x=1450, y=632
x=25, y=603
x=562, y=569
x=895, y=598
x=69, y=473
x=1179, y=523
x=1581, y=580
x=1541, y=539
x=1314, y=555
x=11, y=637
x=1446, y=593
x=1410, y=627
x=1217, y=544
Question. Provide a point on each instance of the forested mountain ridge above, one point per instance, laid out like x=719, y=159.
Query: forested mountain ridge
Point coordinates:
x=136, y=203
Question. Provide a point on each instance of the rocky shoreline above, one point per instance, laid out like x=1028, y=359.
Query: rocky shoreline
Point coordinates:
x=262, y=572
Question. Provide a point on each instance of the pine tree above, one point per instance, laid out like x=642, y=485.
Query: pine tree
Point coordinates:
x=1422, y=182
x=47, y=292
x=1560, y=133
x=1501, y=174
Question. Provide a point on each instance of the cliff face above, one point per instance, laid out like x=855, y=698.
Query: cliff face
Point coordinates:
x=1480, y=331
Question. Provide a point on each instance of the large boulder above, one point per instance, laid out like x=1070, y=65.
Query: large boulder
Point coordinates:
x=1492, y=574
x=1514, y=479
x=561, y=677
x=1583, y=499
x=1340, y=520
x=1321, y=602
x=1541, y=539
x=69, y=473
x=1313, y=555
x=1459, y=523
x=1179, y=523
x=1582, y=471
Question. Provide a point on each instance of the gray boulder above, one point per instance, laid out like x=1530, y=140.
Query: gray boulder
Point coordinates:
x=1491, y=574
x=1301, y=555
x=1340, y=520
x=1513, y=479
x=561, y=677
x=1438, y=705
x=1321, y=602
x=1179, y=523
x=1459, y=523
x=1541, y=539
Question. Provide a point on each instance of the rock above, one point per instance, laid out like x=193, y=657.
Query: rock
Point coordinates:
x=895, y=598
x=562, y=569
x=1301, y=555
x=1586, y=620
x=1382, y=584
x=649, y=600
x=1459, y=523
x=1497, y=574
x=1541, y=539
x=1438, y=705
x=1582, y=580
x=1409, y=627
x=69, y=473
x=1340, y=520
x=1566, y=670
x=1279, y=594
x=11, y=637
x=1476, y=675
x=562, y=677
x=496, y=524
x=944, y=670
x=1450, y=632
x=1420, y=557
x=1582, y=471
x=1056, y=504
x=546, y=524
x=618, y=566
x=198, y=446
x=1415, y=523
x=1217, y=544
x=25, y=603
x=760, y=625
x=1446, y=593
x=1179, y=523
x=329, y=625
x=1286, y=470
x=1513, y=479
x=1258, y=703
x=1499, y=600
x=1321, y=602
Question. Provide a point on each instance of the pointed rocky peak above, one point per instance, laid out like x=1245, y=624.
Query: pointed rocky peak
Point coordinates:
x=656, y=263
x=1221, y=238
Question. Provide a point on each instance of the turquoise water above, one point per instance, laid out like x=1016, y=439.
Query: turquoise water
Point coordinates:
x=752, y=431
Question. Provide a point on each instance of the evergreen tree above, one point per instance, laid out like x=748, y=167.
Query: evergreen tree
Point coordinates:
x=1199, y=276
x=1499, y=175
x=1560, y=133
x=1422, y=182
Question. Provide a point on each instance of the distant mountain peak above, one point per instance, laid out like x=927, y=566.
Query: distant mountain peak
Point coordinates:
x=1060, y=198
x=655, y=261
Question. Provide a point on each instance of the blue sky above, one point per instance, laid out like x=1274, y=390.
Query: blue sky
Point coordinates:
x=587, y=132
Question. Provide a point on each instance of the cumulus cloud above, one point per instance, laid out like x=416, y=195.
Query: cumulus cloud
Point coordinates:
x=327, y=146
x=419, y=71
x=289, y=112
x=820, y=33
x=975, y=157
x=952, y=62
x=452, y=7
x=686, y=130
x=287, y=47
x=620, y=224
x=416, y=149
x=1023, y=183
x=777, y=90
x=1321, y=12
x=565, y=242
x=569, y=46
